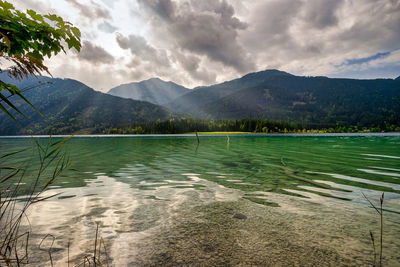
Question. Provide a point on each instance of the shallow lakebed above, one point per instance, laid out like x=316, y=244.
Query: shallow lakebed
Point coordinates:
x=238, y=201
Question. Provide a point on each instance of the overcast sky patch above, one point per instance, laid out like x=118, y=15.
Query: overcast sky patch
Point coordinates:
x=94, y=54
x=107, y=27
x=92, y=11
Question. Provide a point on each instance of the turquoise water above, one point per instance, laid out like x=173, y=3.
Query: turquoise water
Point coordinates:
x=251, y=163
x=264, y=171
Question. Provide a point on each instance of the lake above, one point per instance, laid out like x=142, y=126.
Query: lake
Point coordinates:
x=240, y=200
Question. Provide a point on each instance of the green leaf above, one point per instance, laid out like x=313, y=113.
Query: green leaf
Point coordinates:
x=62, y=140
x=9, y=176
x=34, y=15
x=6, y=111
x=13, y=153
x=27, y=101
x=3, y=98
x=25, y=39
x=6, y=5
x=53, y=151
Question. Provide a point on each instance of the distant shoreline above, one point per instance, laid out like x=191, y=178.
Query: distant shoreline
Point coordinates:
x=215, y=134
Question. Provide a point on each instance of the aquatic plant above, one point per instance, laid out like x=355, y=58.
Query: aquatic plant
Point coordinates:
x=21, y=188
x=380, y=212
x=96, y=260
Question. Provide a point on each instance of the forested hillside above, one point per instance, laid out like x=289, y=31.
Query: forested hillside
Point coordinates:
x=278, y=95
x=154, y=90
x=69, y=106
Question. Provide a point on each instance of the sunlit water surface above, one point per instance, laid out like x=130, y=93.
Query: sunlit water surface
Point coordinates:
x=242, y=200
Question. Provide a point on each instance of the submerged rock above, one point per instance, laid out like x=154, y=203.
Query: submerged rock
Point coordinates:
x=240, y=216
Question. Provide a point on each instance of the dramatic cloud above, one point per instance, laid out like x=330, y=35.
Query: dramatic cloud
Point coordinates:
x=202, y=27
x=36, y=5
x=92, y=11
x=312, y=37
x=95, y=54
x=142, y=51
x=191, y=64
x=322, y=13
x=194, y=42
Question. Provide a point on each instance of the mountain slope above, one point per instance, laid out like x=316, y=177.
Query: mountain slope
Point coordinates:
x=71, y=106
x=194, y=101
x=154, y=90
x=281, y=96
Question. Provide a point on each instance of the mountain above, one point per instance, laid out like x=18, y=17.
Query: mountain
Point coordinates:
x=154, y=90
x=70, y=106
x=194, y=101
x=278, y=95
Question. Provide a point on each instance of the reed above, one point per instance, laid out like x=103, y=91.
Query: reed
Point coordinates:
x=380, y=212
x=13, y=243
x=96, y=260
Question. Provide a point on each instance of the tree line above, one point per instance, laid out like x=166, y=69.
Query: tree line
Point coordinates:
x=181, y=126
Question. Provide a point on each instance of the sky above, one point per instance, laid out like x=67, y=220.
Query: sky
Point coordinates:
x=203, y=42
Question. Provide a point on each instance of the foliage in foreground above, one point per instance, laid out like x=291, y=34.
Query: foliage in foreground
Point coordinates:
x=380, y=213
x=17, y=179
x=25, y=40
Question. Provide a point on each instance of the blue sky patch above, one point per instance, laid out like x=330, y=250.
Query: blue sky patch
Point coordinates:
x=357, y=61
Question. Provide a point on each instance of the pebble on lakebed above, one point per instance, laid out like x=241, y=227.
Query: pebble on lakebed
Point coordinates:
x=240, y=216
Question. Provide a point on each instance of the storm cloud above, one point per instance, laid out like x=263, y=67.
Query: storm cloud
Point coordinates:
x=196, y=43
x=193, y=65
x=202, y=27
x=93, y=11
x=94, y=54
x=142, y=50
x=322, y=13
x=313, y=37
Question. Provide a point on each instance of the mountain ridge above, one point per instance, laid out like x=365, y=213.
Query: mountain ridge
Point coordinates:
x=278, y=95
x=70, y=106
x=153, y=90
